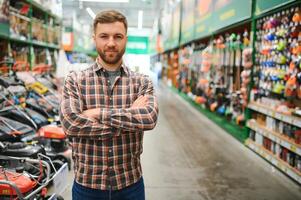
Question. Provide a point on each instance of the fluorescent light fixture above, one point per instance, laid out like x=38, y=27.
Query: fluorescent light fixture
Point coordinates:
x=107, y=1
x=91, y=13
x=140, y=19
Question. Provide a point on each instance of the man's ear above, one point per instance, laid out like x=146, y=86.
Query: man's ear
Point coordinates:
x=93, y=37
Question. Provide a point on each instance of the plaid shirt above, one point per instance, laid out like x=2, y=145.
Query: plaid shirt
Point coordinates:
x=106, y=153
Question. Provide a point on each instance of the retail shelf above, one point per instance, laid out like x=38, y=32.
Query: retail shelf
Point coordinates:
x=296, y=121
x=44, y=44
x=36, y=43
x=239, y=132
x=19, y=40
x=42, y=8
x=276, y=137
x=280, y=164
x=20, y=16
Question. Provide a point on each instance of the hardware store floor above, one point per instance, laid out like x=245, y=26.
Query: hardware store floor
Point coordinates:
x=187, y=157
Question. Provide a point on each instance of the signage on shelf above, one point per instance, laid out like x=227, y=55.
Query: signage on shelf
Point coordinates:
x=227, y=12
x=174, y=36
x=203, y=18
x=213, y=15
x=187, y=21
x=263, y=6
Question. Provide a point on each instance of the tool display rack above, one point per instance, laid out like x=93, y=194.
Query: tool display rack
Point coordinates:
x=274, y=123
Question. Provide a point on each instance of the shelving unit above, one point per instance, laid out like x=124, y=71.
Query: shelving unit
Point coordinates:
x=277, y=162
x=270, y=38
x=278, y=138
x=213, y=32
x=32, y=26
x=296, y=121
x=274, y=135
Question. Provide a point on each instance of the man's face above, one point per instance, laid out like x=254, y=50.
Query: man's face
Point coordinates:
x=110, y=40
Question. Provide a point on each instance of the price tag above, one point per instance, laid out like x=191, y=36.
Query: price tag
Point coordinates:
x=277, y=140
x=60, y=180
x=278, y=116
x=293, y=148
x=288, y=119
x=297, y=122
x=280, y=166
x=267, y=135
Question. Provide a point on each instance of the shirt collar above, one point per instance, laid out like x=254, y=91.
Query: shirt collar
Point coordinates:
x=97, y=66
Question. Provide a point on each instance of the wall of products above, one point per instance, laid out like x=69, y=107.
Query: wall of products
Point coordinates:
x=32, y=32
x=248, y=74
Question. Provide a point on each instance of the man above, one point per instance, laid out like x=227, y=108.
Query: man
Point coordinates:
x=104, y=111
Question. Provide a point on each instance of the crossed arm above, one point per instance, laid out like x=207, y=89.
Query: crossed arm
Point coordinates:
x=103, y=122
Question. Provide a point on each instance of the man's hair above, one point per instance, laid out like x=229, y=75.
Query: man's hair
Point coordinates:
x=110, y=16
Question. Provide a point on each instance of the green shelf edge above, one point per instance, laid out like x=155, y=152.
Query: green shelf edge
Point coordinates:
x=239, y=133
x=40, y=7
x=35, y=43
x=275, y=8
x=47, y=45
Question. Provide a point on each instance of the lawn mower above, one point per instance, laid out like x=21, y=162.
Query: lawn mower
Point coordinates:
x=16, y=111
x=51, y=136
x=30, y=98
x=31, y=82
x=13, y=131
x=17, y=91
x=28, y=179
x=34, y=111
x=55, y=142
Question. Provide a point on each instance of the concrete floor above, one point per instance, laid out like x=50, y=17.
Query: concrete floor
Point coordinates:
x=187, y=157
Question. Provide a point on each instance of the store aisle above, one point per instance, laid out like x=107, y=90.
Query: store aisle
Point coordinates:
x=187, y=157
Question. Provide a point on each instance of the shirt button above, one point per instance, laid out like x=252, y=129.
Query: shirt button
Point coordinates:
x=110, y=150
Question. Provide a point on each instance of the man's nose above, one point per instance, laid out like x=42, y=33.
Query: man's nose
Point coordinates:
x=111, y=42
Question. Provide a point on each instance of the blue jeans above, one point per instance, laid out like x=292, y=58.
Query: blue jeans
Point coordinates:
x=132, y=192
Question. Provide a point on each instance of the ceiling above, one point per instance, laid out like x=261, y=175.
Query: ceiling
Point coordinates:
x=151, y=11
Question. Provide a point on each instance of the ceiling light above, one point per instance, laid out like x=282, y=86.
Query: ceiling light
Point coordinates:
x=91, y=13
x=107, y=1
x=140, y=19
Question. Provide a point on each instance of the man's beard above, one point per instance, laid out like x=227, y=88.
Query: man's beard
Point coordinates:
x=113, y=60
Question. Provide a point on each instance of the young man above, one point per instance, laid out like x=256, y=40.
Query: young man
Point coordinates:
x=104, y=111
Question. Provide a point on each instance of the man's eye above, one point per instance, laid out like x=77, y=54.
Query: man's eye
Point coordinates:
x=103, y=37
x=119, y=37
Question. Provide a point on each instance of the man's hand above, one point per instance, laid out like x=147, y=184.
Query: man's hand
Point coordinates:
x=92, y=113
x=140, y=102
